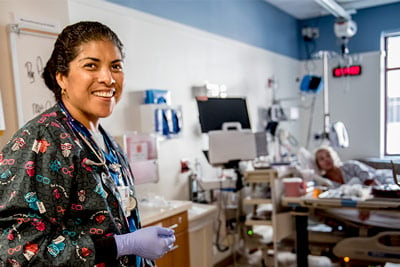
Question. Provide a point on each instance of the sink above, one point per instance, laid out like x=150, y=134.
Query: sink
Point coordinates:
x=196, y=210
x=201, y=215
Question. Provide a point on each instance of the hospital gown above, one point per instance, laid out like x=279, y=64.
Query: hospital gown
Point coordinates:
x=356, y=172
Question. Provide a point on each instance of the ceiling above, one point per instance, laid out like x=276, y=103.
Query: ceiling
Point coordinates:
x=304, y=9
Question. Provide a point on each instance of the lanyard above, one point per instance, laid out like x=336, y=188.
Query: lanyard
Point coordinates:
x=108, y=159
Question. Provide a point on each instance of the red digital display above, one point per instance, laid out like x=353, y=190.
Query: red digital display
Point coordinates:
x=347, y=71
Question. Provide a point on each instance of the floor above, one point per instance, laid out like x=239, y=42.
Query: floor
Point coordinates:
x=253, y=260
x=285, y=259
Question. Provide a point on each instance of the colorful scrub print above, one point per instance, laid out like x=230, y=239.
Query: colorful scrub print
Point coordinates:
x=55, y=198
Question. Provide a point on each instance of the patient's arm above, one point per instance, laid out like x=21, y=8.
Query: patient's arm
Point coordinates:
x=363, y=172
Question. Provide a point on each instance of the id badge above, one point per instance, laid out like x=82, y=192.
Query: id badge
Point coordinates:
x=128, y=202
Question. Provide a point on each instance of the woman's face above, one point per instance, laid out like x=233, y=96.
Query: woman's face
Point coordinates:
x=324, y=160
x=94, y=83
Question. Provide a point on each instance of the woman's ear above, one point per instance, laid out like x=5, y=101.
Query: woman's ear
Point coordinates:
x=61, y=80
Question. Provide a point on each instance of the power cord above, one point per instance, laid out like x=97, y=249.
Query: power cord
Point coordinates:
x=220, y=247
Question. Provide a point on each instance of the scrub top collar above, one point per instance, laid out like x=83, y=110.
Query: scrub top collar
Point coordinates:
x=109, y=154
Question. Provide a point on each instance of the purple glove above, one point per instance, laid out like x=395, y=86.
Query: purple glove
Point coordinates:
x=149, y=243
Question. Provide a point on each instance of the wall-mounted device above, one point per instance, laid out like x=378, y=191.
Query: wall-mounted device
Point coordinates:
x=311, y=84
x=231, y=145
x=353, y=70
x=213, y=112
x=344, y=26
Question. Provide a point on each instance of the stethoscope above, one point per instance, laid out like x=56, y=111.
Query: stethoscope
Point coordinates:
x=84, y=135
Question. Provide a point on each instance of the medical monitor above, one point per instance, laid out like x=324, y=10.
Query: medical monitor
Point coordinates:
x=213, y=112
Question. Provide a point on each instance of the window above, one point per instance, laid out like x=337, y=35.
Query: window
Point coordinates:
x=392, y=94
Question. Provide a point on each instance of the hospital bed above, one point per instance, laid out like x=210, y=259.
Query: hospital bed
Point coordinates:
x=384, y=217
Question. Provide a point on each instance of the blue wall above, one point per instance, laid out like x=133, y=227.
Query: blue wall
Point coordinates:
x=371, y=23
x=260, y=24
x=254, y=22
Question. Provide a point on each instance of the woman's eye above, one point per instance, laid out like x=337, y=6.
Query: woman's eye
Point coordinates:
x=117, y=67
x=90, y=65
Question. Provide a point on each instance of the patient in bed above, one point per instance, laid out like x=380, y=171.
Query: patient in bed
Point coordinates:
x=348, y=172
x=354, y=172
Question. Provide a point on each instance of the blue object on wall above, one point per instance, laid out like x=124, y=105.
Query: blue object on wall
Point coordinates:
x=168, y=121
x=157, y=96
x=311, y=84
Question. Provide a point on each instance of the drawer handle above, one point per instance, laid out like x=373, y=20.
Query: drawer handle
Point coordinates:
x=173, y=226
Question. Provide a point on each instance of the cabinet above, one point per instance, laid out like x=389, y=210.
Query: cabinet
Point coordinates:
x=278, y=218
x=201, y=234
x=179, y=255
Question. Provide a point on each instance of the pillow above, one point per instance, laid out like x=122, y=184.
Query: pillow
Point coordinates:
x=306, y=160
x=309, y=169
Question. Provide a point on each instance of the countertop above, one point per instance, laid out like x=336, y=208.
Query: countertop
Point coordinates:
x=156, y=211
x=153, y=212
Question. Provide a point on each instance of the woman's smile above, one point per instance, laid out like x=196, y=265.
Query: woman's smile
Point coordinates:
x=94, y=83
x=105, y=93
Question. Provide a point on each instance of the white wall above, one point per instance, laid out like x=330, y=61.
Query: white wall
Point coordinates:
x=167, y=55
x=47, y=10
x=164, y=54
x=353, y=100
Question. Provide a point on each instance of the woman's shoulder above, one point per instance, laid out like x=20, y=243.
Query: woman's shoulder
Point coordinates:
x=50, y=124
x=52, y=116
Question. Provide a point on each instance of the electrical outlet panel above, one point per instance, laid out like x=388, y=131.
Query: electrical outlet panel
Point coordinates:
x=310, y=33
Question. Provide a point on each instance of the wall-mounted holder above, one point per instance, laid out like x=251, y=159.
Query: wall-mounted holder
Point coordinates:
x=141, y=150
x=161, y=119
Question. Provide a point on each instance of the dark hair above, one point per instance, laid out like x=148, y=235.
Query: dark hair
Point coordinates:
x=66, y=49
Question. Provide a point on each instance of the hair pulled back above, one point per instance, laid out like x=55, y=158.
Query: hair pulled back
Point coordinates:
x=66, y=49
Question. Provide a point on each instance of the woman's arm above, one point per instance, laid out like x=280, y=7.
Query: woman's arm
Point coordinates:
x=37, y=174
x=354, y=168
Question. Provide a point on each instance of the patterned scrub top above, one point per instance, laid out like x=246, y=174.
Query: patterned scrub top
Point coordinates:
x=55, y=199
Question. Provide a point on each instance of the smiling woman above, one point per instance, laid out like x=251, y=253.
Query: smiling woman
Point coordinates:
x=67, y=195
x=94, y=82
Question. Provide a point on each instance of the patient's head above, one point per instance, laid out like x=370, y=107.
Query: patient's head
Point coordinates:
x=326, y=158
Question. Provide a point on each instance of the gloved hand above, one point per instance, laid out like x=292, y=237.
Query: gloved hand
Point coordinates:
x=149, y=243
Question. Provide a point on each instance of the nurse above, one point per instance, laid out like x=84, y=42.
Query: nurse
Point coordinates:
x=67, y=195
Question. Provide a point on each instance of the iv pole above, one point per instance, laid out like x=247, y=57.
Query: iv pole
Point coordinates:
x=325, y=134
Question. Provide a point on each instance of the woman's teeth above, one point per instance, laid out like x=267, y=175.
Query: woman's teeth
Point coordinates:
x=104, y=93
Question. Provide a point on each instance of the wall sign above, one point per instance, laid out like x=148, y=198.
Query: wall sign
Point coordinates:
x=354, y=70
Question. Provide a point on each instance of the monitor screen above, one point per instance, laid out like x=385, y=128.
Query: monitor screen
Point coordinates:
x=213, y=112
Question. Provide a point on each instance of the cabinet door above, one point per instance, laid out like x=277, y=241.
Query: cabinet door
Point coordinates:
x=181, y=255
x=165, y=261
